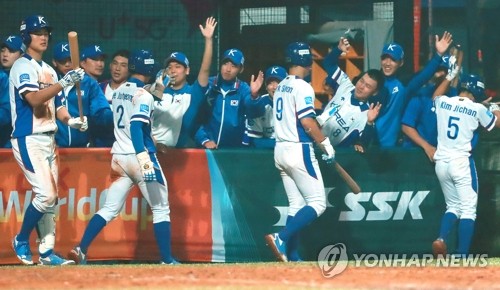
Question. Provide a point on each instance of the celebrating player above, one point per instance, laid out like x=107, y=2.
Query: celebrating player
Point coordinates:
x=458, y=119
x=33, y=86
x=260, y=118
x=134, y=161
x=349, y=116
x=175, y=121
x=295, y=130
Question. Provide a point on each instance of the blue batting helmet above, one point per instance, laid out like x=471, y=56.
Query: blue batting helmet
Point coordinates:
x=298, y=53
x=473, y=84
x=141, y=62
x=31, y=24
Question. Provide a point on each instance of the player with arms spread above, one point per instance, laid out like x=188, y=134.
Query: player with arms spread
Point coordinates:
x=35, y=102
x=134, y=161
x=458, y=119
x=295, y=131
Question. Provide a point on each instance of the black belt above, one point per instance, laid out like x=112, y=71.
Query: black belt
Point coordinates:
x=48, y=133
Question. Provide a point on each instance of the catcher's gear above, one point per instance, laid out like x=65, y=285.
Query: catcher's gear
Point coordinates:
x=147, y=166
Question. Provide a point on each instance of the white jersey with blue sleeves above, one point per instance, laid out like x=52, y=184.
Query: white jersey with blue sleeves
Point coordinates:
x=130, y=103
x=293, y=100
x=262, y=126
x=344, y=114
x=28, y=75
x=457, y=119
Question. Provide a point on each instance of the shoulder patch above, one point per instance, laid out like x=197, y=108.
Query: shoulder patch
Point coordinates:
x=309, y=100
x=24, y=78
x=144, y=108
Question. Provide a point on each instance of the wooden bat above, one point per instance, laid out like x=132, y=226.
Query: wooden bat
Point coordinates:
x=353, y=185
x=459, y=54
x=75, y=61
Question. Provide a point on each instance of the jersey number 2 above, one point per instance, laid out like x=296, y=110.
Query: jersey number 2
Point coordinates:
x=452, y=128
x=120, y=110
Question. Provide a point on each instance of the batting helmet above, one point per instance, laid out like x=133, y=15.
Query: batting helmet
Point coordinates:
x=298, y=53
x=31, y=24
x=473, y=84
x=141, y=62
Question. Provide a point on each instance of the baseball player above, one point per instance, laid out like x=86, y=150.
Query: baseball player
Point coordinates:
x=260, y=118
x=458, y=119
x=119, y=75
x=419, y=119
x=175, y=121
x=92, y=60
x=349, y=116
x=134, y=161
x=295, y=130
x=94, y=104
x=226, y=104
x=12, y=49
x=388, y=125
x=33, y=88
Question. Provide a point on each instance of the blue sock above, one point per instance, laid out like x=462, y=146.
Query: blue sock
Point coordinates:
x=292, y=247
x=96, y=224
x=301, y=219
x=447, y=222
x=162, y=235
x=31, y=218
x=465, y=232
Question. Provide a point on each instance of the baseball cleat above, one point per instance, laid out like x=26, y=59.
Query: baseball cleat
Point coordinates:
x=55, y=260
x=278, y=247
x=23, y=251
x=173, y=262
x=78, y=256
x=439, y=248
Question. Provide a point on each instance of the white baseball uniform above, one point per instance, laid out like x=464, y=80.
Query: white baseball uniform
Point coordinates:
x=457, y=121
x=294, y=153
x=33, y=142
x=133, y=103
x=344, y=116
x=262, y=126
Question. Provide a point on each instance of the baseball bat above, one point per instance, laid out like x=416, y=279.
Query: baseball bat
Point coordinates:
x=353, y=185
x=75, y=62
x=459, y=54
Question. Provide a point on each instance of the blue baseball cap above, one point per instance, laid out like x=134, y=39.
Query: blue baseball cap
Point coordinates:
x=14, y=43
x=61, y=51
x=234, y=55
x=275, y=72
x=177, y=57
x=394, y=51
x=92, y=51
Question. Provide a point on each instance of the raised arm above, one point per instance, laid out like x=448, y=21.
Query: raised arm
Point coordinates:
x=208, y=33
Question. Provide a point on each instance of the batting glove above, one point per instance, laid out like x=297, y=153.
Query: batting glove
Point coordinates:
x=494, y=107
x=453, y=70
x=76, y=123
x=147, y=167
x=71, y=78
x=329, y=152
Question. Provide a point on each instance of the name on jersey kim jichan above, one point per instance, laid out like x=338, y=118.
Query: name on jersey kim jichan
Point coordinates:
x=458, y=109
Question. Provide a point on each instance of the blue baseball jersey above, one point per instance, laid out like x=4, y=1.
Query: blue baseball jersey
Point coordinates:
x=94, y=106
x=420, y=115
x=29, y=75
x=5, y=118
x=388, y=124
x=225, y=108
x=175, y=118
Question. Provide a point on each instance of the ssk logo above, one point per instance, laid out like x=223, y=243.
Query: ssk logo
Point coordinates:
x=408, y=202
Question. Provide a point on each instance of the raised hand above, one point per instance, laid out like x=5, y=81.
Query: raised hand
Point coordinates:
x=444, y=43
x=256, y=84
x=344, y=45
x=208, y=30
x=373, y=112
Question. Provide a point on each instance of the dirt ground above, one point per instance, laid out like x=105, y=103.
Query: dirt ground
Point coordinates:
x=244, y=276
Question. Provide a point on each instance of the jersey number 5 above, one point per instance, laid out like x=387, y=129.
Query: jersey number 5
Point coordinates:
x=453, y=128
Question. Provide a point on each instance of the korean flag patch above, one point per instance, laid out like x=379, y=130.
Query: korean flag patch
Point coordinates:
x=234, y=102
x=24, y=78
x=144, y=108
